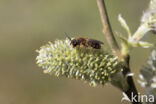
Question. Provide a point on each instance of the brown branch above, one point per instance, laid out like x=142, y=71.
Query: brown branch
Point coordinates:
x=115, y=48
x=107, y=30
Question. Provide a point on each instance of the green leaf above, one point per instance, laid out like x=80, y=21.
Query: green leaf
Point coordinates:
x=124, y=25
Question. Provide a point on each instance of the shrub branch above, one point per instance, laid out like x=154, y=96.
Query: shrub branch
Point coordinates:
x=107, y=30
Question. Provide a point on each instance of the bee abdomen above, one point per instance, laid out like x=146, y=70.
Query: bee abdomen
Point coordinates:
x=96, y=46
x=95, y=43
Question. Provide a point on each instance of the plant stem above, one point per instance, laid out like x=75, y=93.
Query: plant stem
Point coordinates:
x=107, y=30
x=131, y=85
x=115, y=48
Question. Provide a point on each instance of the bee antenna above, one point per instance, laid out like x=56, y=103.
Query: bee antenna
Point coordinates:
x=67, y=36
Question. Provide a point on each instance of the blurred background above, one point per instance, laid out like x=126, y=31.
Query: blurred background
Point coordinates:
x=25, y=25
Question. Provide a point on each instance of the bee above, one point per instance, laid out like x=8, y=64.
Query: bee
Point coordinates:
x=82, y=41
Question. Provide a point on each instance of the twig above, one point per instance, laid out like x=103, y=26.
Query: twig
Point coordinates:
x=115, y=48
x=131, y=85
x=107, y=30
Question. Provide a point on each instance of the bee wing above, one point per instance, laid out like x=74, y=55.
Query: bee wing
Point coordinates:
x=95, y=41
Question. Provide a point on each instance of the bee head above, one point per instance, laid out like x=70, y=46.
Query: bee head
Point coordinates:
x=74, y=42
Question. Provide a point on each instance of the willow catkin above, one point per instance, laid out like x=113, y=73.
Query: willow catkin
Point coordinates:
x=92, y=65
